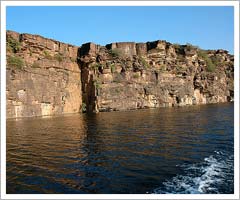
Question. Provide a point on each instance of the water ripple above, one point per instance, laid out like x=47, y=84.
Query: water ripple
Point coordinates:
x=123, y=152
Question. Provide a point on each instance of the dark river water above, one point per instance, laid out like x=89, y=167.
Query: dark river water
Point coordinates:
x=168, y=150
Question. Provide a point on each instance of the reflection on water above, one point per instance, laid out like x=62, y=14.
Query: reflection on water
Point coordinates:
x=118, y=152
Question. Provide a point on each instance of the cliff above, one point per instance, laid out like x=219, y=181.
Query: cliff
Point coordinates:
x=47, y=77
x=43, y=77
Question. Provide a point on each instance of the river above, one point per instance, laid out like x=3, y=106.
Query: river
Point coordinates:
x=165, y=150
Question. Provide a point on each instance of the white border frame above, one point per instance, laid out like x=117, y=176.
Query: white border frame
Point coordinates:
x=235, y=4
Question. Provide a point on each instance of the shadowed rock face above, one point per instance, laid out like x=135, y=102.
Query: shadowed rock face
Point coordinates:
x=55, y=78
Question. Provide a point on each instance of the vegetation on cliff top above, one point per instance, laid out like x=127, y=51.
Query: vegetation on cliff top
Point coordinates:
x=212, y=62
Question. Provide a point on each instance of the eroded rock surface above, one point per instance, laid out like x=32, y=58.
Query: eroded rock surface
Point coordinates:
x=43, y=77
x=47, y=77
x=124, y=76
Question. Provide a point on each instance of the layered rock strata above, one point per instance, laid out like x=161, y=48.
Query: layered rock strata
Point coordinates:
x=123, y=76
x=43, y=77
x=47, y=77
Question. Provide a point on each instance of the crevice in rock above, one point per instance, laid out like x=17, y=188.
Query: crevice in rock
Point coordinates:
x=178, y=100
x=156, y=75
x=88, y=86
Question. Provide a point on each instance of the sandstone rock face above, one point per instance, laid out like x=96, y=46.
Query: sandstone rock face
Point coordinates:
x=154, y=74
x=43, y=77
x=47, y=77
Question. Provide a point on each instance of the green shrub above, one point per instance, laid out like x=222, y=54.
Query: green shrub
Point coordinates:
x=203, y=54
x=116, y=52
x=135, y=75
x=13, y=45
x=84, y=107
x=95, y=66
x=15, y=62
x=58, y=57
x=113, y=68
x=216, y=60
x=97, y=84
x=144, y=62
x=210, y=65
x=47, y=55
x=9, y=49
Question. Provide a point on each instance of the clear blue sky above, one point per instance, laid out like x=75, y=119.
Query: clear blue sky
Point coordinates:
x=210, y=27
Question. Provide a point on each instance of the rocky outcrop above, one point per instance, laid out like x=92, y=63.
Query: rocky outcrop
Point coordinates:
x=124, y=76
x=43, y=77
x=46, y=77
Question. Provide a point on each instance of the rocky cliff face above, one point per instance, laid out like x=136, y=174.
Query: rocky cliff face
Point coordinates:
x=46, y=77
x=124, y=76
x=43, y=77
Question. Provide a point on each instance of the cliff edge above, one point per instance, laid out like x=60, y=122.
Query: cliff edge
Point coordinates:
x=47, y=77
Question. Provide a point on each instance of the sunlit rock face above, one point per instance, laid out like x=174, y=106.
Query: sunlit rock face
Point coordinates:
x=123, y=76
x=43, y=77
x=47, y=77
